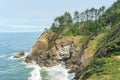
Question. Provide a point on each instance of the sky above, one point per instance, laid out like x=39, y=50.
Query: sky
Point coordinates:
x=35, y=15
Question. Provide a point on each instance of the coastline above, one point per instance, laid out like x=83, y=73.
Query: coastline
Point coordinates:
x=49, y=57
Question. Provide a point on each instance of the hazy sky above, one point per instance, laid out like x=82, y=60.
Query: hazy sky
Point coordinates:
x=35, y=15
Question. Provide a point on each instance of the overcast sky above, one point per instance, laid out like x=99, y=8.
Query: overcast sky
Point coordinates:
x=35, y=15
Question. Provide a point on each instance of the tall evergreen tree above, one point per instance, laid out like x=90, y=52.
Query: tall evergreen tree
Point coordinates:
x=92, y=13
x=87, y=14
x=68, y=19
x=76, y=17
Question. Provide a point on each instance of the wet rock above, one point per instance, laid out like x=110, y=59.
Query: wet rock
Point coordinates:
x=28, y=59
x=48, y=52
x=43, y=58
x=20, y=54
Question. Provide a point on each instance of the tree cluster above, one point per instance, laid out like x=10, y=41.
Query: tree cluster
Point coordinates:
x=89, y=14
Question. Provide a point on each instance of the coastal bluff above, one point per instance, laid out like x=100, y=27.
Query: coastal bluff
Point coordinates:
x=49, y=50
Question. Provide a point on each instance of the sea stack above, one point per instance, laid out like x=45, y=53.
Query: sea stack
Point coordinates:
x=20, y=54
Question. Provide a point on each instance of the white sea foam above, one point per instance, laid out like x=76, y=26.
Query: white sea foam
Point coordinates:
x=58, y=72
x=13, y=54
x=11, y=57
x=35, y=74
x=2, y=56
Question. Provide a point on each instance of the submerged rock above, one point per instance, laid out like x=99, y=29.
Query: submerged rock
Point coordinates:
x=20, y=54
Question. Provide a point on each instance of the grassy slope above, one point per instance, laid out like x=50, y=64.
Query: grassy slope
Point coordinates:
x=94, y=43
x=110, y=69
x=91, y=50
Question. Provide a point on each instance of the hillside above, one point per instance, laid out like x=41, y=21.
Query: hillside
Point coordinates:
x=95, y=36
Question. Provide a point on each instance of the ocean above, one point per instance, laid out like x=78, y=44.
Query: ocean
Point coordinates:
x=12, y=43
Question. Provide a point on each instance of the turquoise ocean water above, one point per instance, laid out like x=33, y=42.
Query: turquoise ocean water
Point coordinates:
x=16, y=69
x=11, y=44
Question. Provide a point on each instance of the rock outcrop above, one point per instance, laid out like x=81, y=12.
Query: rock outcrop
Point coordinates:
x=20, y=54
x=42, y=53
x=50, y=51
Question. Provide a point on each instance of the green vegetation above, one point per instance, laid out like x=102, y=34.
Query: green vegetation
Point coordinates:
x=103, y=22
x=81, y=23
x=106, y=68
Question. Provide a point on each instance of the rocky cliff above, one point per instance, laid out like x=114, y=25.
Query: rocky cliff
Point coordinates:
x=49, y=50
x=85, y=47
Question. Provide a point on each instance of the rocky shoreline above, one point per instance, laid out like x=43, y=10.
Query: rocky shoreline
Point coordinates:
x=47, y=52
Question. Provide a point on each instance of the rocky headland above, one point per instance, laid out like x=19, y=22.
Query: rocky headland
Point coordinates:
x=84, y=46
x=50, y=51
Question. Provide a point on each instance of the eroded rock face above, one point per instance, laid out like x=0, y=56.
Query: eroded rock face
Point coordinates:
x=20, y=54
x=28, y=59
x=42, y=53
x=50, y=52
x=43, y=58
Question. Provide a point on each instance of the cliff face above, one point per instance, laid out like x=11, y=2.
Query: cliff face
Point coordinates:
x=80, y=46
x=41, y=51
x=41, y=44
x=50, y=50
